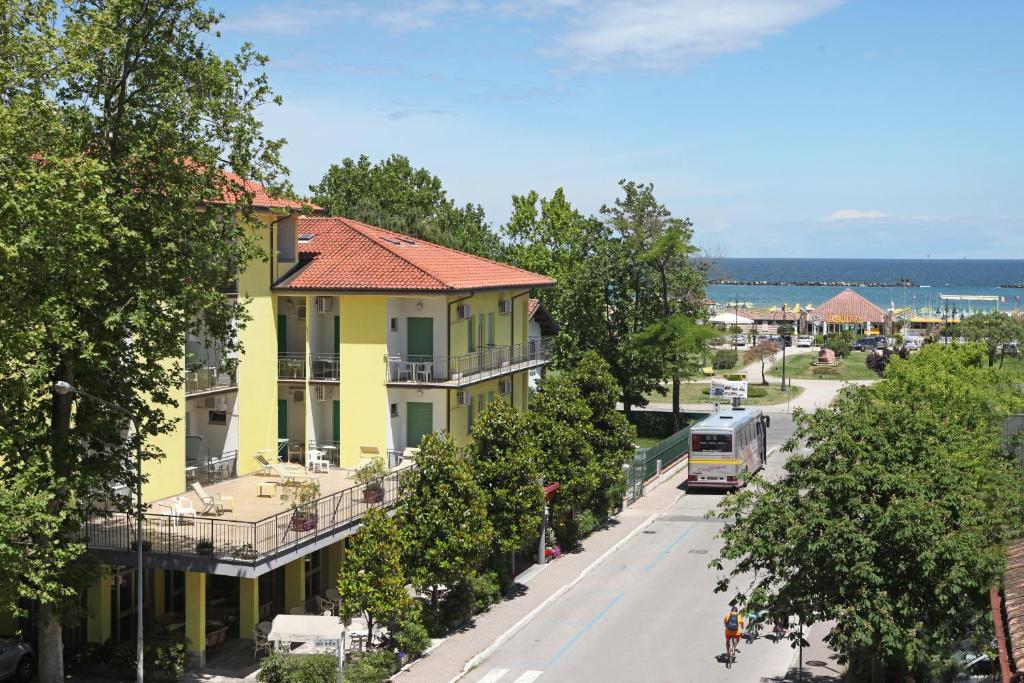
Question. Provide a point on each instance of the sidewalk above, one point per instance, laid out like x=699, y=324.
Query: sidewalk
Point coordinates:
x=820, y=661
x=448, y=660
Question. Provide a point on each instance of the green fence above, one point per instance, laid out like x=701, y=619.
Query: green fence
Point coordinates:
x=645, y=463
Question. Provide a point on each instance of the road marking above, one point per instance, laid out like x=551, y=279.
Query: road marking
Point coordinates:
x=671, y=545
x=529, y=677
x=579, y=634
x=493, y=676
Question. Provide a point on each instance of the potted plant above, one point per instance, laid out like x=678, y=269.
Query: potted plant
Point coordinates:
x=369, y=476
x=301, y=497
x=204, y=546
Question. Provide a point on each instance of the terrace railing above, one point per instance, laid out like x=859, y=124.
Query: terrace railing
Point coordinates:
x=325, y=366
x=234, y=541
x=491, y=361
x=291, y=365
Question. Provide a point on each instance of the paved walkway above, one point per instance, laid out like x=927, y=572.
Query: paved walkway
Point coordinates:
x=447, y=661
x=820, y=663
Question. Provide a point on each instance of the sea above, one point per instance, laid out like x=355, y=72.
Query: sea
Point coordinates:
x=930, y=277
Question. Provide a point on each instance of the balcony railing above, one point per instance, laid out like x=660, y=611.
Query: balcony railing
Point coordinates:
x=211, y=468
x=485, y=363
x=200, y=379
x=233, y=541
x=326, y=366
x=291, y=365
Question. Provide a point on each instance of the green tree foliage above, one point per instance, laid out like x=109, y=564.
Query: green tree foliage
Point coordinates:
x=895, y=522
x=839, y=343
x=504, y=460
x=995, y=330
x=761, y=352
x=371, y=580
x=116, y=120
x=392, y=194
x=442, y=516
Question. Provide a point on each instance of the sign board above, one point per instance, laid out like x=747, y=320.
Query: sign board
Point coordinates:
x=845, y=319
x=721, y=388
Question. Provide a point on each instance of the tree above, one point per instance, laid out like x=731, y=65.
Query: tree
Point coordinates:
x=371, y=580
x=761, y=352
x=442, y=515
x=504, y=460
x=116, y=122
x=392, y=194
x=895, y=522
x=994, y=329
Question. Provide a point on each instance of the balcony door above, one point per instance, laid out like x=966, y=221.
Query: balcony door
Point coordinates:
x=419, y=421
x=420, y=339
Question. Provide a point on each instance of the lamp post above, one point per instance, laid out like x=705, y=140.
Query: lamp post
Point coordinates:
x=63, y=388
x=785, y=322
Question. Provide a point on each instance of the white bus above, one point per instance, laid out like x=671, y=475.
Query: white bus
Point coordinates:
x=726, y=444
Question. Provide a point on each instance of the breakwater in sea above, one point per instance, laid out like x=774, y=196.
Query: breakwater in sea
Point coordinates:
x=902, y=282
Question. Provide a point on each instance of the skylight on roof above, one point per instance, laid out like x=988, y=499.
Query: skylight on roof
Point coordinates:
x=306, y=237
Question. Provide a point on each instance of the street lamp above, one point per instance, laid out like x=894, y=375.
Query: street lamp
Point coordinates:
x=62, y=388
x=785, y=322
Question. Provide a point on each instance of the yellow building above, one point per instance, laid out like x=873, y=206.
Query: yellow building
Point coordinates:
x=359, y=342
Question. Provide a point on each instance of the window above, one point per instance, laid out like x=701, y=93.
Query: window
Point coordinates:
x=394, y=410
x=394, y=324
x=480, y=330
x=218, y=417
x=286, y=241
x=711, y=443
x=490, y=329
x=490, y=396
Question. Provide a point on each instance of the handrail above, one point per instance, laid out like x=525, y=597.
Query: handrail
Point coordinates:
x=236, y=541
x=486, y=362
x=291, y=365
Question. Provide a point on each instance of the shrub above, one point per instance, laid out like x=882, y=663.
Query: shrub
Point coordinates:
x=566, y=531
x=434, y=621
x=485, y=589
x=724, y=359
x=819, y=340
x=839, y=344
x=412, y=637
x=369, y=667
x=281, y=668
x=586, y=522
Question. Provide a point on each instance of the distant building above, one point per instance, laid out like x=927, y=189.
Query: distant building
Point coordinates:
x=847, y=311
x=540, y=326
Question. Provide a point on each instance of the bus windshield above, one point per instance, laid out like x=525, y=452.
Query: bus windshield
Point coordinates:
x=713, y=443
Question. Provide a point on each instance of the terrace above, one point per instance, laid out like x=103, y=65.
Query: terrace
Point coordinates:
x=255, y=536
x=459, y=371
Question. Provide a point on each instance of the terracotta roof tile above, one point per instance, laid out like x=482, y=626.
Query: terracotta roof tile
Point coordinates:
x=348, y=255
x=261, y=199
x=848, y=305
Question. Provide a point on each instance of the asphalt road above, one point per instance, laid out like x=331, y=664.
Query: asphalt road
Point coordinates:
x=648, y=614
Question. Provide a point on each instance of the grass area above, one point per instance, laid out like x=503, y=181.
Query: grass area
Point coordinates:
x=799, y=367
x=693, y=392
x=646, y=441
x=1013, y=365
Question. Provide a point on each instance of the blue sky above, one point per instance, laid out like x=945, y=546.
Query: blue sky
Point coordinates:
x=780, y=127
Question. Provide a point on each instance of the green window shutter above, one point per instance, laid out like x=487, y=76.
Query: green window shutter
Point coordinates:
x=490, y=396
x=480, y=329
x=471, y=340
x=419, y=421
x=469, y=416
x=337, y=334
x=420, y=338
x=490, y=329
x=282, y=333
x=336, y=420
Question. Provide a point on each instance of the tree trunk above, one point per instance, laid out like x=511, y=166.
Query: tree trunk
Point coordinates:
x=764, y=380
x=676, y=386
x=627, y=409
x=433, y=596
x=51, y=645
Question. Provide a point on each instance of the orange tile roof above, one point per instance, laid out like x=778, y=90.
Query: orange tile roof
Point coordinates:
x=261, y=199
x=849, y=306
x=348, y=255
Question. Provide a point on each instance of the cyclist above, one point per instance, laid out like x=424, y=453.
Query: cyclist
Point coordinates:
x=733, y=622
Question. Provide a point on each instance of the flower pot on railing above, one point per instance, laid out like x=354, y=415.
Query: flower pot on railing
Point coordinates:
x=301, y=498
x=369, y=475
x=372, y=494
x=303, y=521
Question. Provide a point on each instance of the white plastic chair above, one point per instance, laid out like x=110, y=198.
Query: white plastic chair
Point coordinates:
x=315, y=461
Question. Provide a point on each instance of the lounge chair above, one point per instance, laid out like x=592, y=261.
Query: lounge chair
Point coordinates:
x=290, y=476
x=266, y=465
x=215, y=503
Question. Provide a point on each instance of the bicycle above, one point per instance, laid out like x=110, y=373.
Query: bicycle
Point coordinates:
x=730, y=652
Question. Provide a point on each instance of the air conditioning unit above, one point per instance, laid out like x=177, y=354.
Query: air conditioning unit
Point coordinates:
x=505, y=386
x=300, y=311
x=299, y=396
x=462, y=398
x=505, y=306
x=320, y=392
x=322, y=304
x=464, y=311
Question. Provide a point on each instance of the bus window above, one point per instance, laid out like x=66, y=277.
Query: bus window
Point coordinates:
x=711, y=443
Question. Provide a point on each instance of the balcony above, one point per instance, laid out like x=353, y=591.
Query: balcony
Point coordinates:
x=325, y=367
x=257, y=534
x=208, y=380
x=291, y=366
x=458, y=371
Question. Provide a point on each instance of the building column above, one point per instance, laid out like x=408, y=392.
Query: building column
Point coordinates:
x=159, y=592
x=98, y=600
x=195, y=616
x=335, y=556
x=295, y=583
x=248, y=607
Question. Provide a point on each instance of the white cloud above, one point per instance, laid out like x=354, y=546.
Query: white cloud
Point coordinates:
x=677, y=34
x=855, y=214
x=284, y=19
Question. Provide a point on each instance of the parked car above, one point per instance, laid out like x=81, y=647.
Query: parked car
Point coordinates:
x=805, y=341
x=17, y=661
x=739, y=340
x=869, y=343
